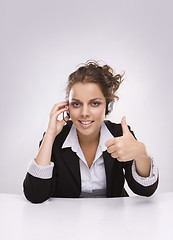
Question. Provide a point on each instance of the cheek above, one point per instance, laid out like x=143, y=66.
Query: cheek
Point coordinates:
x=74, y=113
x=99, y=112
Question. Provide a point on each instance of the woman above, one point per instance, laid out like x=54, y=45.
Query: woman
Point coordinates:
x=88, y=156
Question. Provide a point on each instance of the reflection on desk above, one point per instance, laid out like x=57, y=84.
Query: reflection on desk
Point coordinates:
x=108, y=218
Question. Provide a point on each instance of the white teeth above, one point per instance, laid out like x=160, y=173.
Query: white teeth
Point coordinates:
x=86, y=122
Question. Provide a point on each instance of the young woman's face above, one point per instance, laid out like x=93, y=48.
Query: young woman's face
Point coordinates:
x=87, y=106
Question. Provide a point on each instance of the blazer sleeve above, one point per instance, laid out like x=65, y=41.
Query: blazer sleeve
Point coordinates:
x=38, y=190
x=134, y=185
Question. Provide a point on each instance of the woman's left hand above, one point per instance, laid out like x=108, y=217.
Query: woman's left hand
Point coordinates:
x=125, y=147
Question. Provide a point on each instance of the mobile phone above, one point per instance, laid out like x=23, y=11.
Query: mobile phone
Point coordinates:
x=67, y=113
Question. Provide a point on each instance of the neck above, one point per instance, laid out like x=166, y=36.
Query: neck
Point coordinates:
x=89, y=140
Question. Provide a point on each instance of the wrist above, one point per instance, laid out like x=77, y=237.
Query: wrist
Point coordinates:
x=50, y=136
x=141, y=152
x=143, y=161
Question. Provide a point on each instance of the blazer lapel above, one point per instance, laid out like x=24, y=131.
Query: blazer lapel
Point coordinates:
x=72, y=161
x=108, y=161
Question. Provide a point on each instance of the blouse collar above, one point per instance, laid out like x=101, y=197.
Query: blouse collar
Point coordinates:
x=73, y=142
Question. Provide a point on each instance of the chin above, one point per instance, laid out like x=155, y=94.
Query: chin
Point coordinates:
x=88, y=129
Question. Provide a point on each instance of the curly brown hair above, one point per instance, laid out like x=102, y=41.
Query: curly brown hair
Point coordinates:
x=92, y=72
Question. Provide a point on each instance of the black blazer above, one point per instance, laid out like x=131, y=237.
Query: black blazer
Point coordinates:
x=66, y=179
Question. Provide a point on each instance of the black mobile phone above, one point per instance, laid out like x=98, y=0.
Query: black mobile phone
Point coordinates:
x=67, y=113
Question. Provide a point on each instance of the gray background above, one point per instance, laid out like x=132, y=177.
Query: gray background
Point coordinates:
x=42, y=42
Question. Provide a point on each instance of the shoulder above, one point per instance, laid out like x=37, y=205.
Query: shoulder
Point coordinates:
x=116, y=128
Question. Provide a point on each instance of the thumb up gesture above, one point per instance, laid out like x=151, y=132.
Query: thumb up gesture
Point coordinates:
x=126, y=147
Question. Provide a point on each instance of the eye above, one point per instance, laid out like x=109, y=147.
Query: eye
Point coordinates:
x=75, y=104
x=95, y=104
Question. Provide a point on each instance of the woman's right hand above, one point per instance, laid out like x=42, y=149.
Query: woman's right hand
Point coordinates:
x=55, y=126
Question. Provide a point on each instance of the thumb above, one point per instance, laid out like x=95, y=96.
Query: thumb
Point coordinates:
x=124, y=126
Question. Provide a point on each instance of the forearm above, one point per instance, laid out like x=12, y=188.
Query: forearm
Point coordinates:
x=38, y=181
x=143, y=161
x=43, y=157
x=37, y=190
x=144, y=186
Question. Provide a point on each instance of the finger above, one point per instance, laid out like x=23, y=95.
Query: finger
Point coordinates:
x=121, y=159
x=58, y=106
x=111, y=149
x=65, y=117
x=64, y=120
x=58, y=112
x=114, y=155
x=109, y=142
x=124, y=126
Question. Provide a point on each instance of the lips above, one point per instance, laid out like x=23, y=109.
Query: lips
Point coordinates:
x=86, y=123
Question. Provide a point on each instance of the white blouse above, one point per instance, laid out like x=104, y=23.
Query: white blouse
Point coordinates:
x=93, y=179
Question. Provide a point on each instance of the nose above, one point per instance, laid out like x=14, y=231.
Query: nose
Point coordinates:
x=85, y=111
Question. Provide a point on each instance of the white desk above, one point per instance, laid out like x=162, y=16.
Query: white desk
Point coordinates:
x=115, y=218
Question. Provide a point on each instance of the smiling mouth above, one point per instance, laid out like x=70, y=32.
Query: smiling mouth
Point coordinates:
x=86, y=123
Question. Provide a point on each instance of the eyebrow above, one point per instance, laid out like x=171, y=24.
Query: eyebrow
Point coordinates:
x=93, y=99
